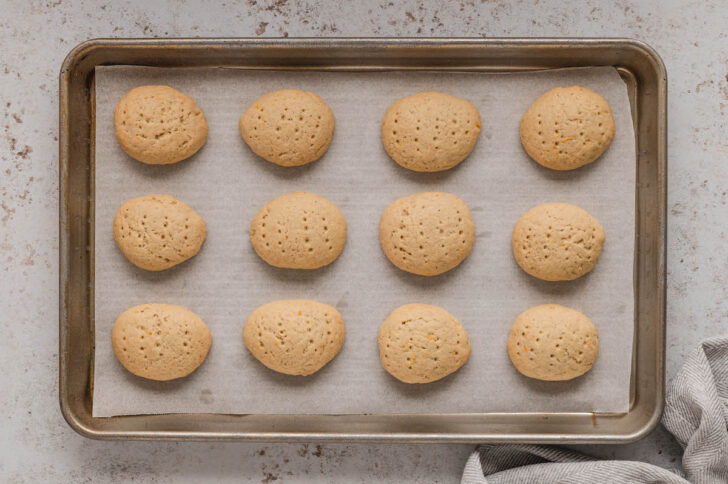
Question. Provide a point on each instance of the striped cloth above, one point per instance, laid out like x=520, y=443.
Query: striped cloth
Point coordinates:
x=696, y=413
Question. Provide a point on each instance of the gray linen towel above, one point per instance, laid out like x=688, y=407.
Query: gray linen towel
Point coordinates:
x=696, y=413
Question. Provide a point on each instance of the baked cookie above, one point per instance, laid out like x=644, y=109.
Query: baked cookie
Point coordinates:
x=427, y=233
x=160, y=341
x=552, y=342
x=557, y=242
x=288, y=127
x=156, y=232
x=567, y=127
x=430, y=131
x=419, y=343
x=298, y=230
x=295, y=337
x=159, y=125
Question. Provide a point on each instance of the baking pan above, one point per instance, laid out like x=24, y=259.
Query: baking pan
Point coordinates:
x=643, y=73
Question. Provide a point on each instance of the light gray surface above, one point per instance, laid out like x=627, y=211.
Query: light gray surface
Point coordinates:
x=36, y=444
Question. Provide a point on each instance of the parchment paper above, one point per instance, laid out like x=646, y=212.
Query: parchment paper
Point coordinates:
x=227, y=185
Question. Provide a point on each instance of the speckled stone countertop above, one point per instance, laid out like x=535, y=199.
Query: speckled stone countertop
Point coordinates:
x=35, y=442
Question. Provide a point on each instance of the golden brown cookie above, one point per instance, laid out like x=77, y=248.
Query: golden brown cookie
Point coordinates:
x=419, y=343
x=295, y=337
x=298, y=230
x=156, y=232
x=567, y=127
x=427, y=233
x=557, y=242
x=552, y=342
x=160, y=341
x=430, y=131
x=159, y=125
x=288, y=127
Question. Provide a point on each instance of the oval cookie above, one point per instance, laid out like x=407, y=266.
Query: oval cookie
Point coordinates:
x=160, y=341
x=557, y=242
x=427, y=233
x=156, y=232
x=288, y=127
x=552, y=342
x=419, y=343
x=430, y=131
x=295, y=337
x=567, y=127
x=159, y=125
x=298, y=230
